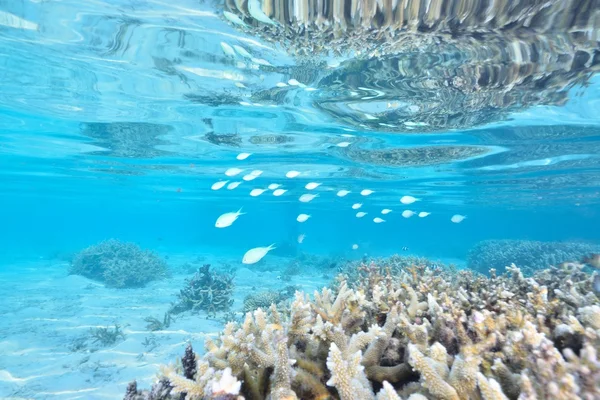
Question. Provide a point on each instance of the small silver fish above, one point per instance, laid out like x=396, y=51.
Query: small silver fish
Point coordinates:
x=301, y=238
x=227, y=219
x=256, y=254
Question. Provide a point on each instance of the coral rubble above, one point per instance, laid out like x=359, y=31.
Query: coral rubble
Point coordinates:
x=119, y=264
x=207, y=290
x=529, y=255
x=413, y=333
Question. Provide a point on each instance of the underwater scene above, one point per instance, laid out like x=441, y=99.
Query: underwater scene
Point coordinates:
x=300, y=199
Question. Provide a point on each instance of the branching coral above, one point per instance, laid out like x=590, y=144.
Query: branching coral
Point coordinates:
x=154, y=324
x=207, y=290
x=119, y=264
x=426, y=333
x=106, y=336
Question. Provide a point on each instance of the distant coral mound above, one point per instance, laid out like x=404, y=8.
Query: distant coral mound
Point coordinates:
x=530, y=255
x=119, y=264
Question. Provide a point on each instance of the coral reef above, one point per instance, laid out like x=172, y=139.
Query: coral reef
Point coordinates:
x=529, y=255
x=421, y=333
x=119, y=264
x=207, y=290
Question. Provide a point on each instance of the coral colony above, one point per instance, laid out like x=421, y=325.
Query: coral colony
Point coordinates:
x=407, y=331
x=119, y=264
x=207, y=290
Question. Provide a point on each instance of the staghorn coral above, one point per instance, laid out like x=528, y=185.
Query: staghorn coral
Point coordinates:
x=452, y=334
x=119, y=264
x=207, y=290
x=106, y=336
x=155, y=324
x=528, y=254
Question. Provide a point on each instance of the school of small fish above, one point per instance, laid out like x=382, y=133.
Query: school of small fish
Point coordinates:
x=227, y=219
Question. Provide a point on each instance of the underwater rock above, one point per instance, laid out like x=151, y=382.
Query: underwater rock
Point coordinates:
x=119, y=264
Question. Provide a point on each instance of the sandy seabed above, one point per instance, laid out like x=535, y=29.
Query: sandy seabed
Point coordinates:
x=44, y=311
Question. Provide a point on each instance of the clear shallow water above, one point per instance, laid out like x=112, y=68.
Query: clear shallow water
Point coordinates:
x=117, y=117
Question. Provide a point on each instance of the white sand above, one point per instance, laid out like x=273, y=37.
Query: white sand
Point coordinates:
x=43, y=310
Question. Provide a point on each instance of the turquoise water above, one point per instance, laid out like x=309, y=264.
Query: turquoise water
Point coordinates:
x=116, y=117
